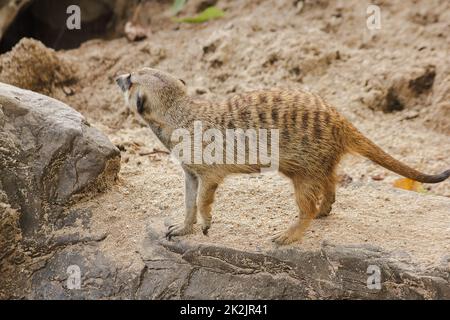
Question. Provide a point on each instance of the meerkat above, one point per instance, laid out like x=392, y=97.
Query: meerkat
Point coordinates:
x=313, y=139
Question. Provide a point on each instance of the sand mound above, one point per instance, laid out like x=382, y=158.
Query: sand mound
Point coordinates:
x=31, y=65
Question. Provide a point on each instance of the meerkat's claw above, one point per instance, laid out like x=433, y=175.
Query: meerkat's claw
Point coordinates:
x=206, y=224
x=323, y=214
x=179, y=229
x=172, y=226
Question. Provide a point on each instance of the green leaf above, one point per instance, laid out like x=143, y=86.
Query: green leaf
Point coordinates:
x=206, y=15
x=177, y=6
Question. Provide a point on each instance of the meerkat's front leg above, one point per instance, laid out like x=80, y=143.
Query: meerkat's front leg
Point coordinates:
x=190, y=198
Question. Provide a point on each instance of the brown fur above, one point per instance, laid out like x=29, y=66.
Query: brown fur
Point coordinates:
x=313, y=139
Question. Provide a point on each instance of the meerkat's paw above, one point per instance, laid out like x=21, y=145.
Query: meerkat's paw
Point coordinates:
x=324, y=212
x=179, y=229
x=284, y=238
x=205, y=227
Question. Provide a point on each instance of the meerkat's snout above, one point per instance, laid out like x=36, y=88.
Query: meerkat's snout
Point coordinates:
x=124, y=81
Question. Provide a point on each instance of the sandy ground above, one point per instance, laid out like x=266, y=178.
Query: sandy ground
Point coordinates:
x=322, y=46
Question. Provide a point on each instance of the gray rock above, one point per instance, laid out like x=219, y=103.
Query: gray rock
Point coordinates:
x=190, y=270
x=98, y=276
x=48, y=154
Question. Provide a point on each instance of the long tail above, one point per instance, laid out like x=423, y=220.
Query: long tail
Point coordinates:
x=357, y=142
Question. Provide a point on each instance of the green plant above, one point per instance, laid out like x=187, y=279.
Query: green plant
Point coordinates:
x=206, y=15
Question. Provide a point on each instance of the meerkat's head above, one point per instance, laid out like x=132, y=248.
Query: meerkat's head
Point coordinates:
x=151, y=92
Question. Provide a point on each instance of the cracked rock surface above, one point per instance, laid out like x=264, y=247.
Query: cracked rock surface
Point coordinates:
x=48, y=153
x=191, y=270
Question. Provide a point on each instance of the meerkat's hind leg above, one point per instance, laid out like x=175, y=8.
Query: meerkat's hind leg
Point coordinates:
x=328, y=193
x=190, y=200
x=306, y=196
x=329, y=197
x=205, y=198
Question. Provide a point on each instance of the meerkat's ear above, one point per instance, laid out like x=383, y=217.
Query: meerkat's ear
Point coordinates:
x=182, y=81
x=124, y=81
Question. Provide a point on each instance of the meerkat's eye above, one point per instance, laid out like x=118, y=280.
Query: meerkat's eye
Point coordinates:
x=182, y=81
x=140, y=101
